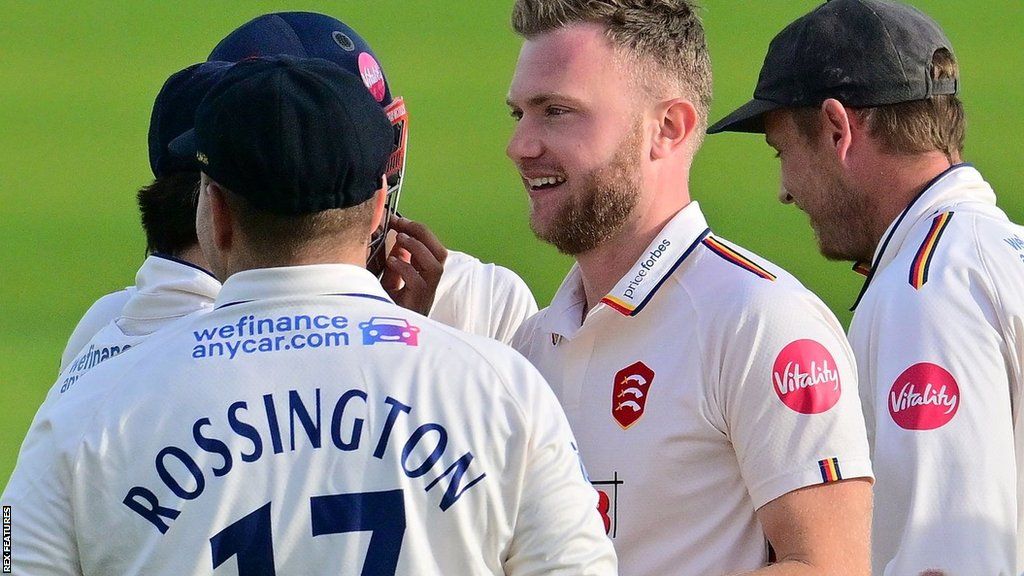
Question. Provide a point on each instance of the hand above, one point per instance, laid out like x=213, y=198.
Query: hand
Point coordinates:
x=414, y=265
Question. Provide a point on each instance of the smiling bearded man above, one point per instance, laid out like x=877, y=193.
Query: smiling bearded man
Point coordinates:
x=714, y=398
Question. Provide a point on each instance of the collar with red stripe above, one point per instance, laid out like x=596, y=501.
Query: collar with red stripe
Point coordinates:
x=676, y=241
x=957, y=183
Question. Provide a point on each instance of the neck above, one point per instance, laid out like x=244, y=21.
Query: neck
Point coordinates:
x=193, y=255
x=894, y=183
x=250, y=260
x=603, y=267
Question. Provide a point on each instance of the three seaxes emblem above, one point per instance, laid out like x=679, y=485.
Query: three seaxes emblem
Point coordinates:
x=629, y=394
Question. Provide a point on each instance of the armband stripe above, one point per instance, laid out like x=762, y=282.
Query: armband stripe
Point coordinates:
x=923, y=259
x=734, y=257
x=830, y=471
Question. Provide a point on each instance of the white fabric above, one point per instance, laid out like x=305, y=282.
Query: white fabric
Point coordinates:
x=165, y=290
x=102, y=312
x=715, y=440
x=483, y=299
x=950, y=471
x=308, y=429
x=475, y=297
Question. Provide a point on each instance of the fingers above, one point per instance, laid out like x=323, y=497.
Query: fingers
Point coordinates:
x=422, y=234
x=423, y=260
x=416, y=293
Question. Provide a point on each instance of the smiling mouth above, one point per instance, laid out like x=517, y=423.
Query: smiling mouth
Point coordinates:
x=543, y=183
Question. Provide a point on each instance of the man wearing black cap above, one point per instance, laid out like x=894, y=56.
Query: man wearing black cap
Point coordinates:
x=172, y=282
x=446, y=285
x=859, y=98
x=308, y=424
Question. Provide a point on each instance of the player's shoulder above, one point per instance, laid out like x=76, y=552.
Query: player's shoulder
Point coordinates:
x=78, y=400
x=958, y=246
x=464, y=269
x=101, y=313
x=485, y=351
x=730, y=280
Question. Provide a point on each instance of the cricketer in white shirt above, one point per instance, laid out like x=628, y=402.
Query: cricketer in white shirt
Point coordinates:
x=165, y=290
x=312, y=418
x=475, y=297
x=939, y=345
x=706, y=384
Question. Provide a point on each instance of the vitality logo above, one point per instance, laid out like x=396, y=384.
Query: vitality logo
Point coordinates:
x=806, y=378
x=924, y=397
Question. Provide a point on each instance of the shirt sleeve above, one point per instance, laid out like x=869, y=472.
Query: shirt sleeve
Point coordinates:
x=787, y=394
x=101, y=313
x=38, y=494
x=946, y=493
x=513, y=304
x=558, y=529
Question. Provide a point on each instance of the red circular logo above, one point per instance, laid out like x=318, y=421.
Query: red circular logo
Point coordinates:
x=924, y=397
x=372, y=76
x=806, y=378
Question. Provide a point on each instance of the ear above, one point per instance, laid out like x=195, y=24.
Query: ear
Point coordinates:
x=221, y=218
x=677, y=121
x=380, y=201
x=838, y=129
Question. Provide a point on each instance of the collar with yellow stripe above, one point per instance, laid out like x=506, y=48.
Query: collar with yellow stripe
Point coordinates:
x=923, y=258
x=678, y=239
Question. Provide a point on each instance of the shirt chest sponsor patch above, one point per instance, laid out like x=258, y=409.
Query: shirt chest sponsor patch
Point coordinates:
x=630, y=392
x=806, y=378
x=924, y=397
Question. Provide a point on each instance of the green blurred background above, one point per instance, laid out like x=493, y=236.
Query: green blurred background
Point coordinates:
x=77, y=82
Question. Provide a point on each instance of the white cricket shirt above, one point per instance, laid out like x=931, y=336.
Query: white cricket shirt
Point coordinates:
x=939, y=340
x=479, y=298
x=472, y=296
x=706, y=384
x=306, y=425
x=165, y=289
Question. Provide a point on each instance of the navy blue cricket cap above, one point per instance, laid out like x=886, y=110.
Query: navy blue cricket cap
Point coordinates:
x=174, y=113
x=291, y=136
x=864, y=53
x=306, y=35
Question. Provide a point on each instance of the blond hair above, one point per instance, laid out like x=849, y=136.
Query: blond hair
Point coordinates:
x=663, y=39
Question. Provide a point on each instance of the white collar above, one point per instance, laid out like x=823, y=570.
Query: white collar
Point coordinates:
x=299, y=281
x=166, y=287
x=960, y=183
x=673, y=244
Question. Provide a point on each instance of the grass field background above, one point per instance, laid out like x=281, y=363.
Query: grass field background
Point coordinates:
x=78, y=81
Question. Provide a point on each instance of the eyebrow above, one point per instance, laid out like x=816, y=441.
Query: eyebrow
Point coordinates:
x=544, y=98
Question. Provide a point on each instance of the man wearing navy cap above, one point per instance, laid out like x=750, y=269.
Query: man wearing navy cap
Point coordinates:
x=447, y=285
x=172, y=282
x=859, y=98
x=308, y=424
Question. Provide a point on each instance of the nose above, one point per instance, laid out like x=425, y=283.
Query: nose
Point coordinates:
x=784, y=196
x=523, y=144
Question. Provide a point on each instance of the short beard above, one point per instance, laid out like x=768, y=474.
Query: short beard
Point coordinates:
x=608, y=198
x=846, y=233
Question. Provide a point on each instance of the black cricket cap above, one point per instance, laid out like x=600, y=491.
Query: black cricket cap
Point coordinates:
x=864, y=53
x=291, y=135
x=174, y=113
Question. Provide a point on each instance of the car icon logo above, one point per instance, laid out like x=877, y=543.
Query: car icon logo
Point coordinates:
x=387, y=329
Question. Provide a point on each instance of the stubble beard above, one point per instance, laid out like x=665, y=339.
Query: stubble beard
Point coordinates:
x=841, y=226
x=607, y=198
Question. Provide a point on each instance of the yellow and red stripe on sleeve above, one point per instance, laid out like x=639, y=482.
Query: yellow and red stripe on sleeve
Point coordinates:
x=734, y=257
x=923, y=259
x=830, y=471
